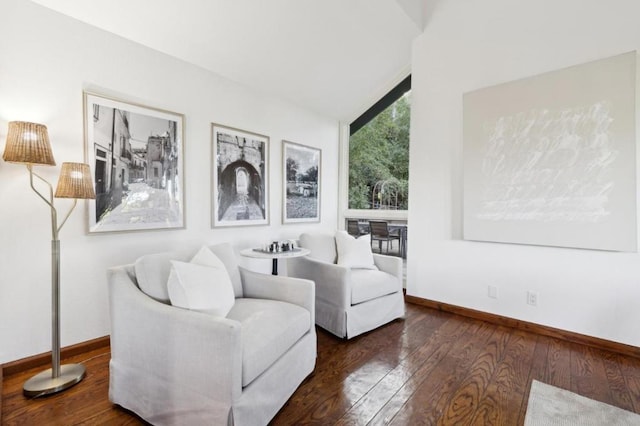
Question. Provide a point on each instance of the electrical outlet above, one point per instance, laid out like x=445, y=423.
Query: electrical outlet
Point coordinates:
x=493, y=292
x=532, y=298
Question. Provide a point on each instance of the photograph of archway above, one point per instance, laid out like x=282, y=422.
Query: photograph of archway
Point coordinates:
x=239, y=177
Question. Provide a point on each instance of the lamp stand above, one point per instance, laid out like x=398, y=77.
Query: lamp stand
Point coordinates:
x=57, y=378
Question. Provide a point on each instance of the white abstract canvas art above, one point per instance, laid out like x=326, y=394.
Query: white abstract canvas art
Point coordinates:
x=551, y=159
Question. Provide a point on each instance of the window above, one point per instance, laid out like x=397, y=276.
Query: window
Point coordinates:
x=379, y=153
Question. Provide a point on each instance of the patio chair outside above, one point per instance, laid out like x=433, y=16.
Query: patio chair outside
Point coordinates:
x=380, y=232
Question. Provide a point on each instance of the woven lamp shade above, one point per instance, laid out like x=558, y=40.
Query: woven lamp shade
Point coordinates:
x=28, y=143
x=75, y=181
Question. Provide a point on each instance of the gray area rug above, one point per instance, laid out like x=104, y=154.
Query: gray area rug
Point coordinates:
x=549, y=405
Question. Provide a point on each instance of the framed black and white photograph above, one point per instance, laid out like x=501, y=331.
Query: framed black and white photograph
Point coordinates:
x=136, y=155
x=301, y=178
x=240, y=177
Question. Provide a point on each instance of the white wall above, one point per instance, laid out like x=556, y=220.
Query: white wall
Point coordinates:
x=469, y=45
x=46, y=61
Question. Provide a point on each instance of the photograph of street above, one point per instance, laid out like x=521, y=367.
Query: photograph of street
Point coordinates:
x=137, y=165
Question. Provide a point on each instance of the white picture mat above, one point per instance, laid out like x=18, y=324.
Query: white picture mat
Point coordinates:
x=218, y=187
x=305, y=157
x=551, y=159
x=139, y=218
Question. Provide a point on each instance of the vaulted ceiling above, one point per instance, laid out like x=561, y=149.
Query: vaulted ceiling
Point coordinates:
x=335, y=57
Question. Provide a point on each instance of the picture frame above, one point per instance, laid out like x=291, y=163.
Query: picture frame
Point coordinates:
x=136, y=154
x=301, y=179
x=239, y=177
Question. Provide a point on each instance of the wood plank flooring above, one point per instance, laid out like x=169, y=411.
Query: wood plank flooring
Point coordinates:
x=433, y=368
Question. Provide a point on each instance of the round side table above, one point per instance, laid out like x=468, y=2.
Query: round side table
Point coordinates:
x=274, y=256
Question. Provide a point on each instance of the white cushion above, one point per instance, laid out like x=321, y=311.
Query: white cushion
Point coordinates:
x=202, y=285
x=368, y=285
x=206, y=257
x=322, y=246
x=225, y=253
x=152, y=272
x=354, y=252
x=269, y=329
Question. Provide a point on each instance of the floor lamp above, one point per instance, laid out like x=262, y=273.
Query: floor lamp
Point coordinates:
x=28, y=143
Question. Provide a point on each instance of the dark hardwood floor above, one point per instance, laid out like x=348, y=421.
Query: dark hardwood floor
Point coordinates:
x=431, y=368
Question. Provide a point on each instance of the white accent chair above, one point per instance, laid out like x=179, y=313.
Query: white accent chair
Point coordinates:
x=174, y=366
x=349, y=301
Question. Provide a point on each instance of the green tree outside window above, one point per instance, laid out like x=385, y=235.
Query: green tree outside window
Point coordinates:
x=379, y=160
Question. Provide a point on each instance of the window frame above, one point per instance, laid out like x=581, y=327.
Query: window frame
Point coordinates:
x=397, y=90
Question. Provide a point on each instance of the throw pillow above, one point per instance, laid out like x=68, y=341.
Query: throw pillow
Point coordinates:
x=202, y=285
x=354, y=252
x=206, y=257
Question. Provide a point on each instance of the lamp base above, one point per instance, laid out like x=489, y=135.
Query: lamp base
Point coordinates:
x=43, y=384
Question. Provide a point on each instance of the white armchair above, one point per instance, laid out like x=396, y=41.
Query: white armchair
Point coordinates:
x=174, y=366
x=349, y=301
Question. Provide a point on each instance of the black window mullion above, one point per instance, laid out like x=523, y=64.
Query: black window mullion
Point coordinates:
x=394, y=94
